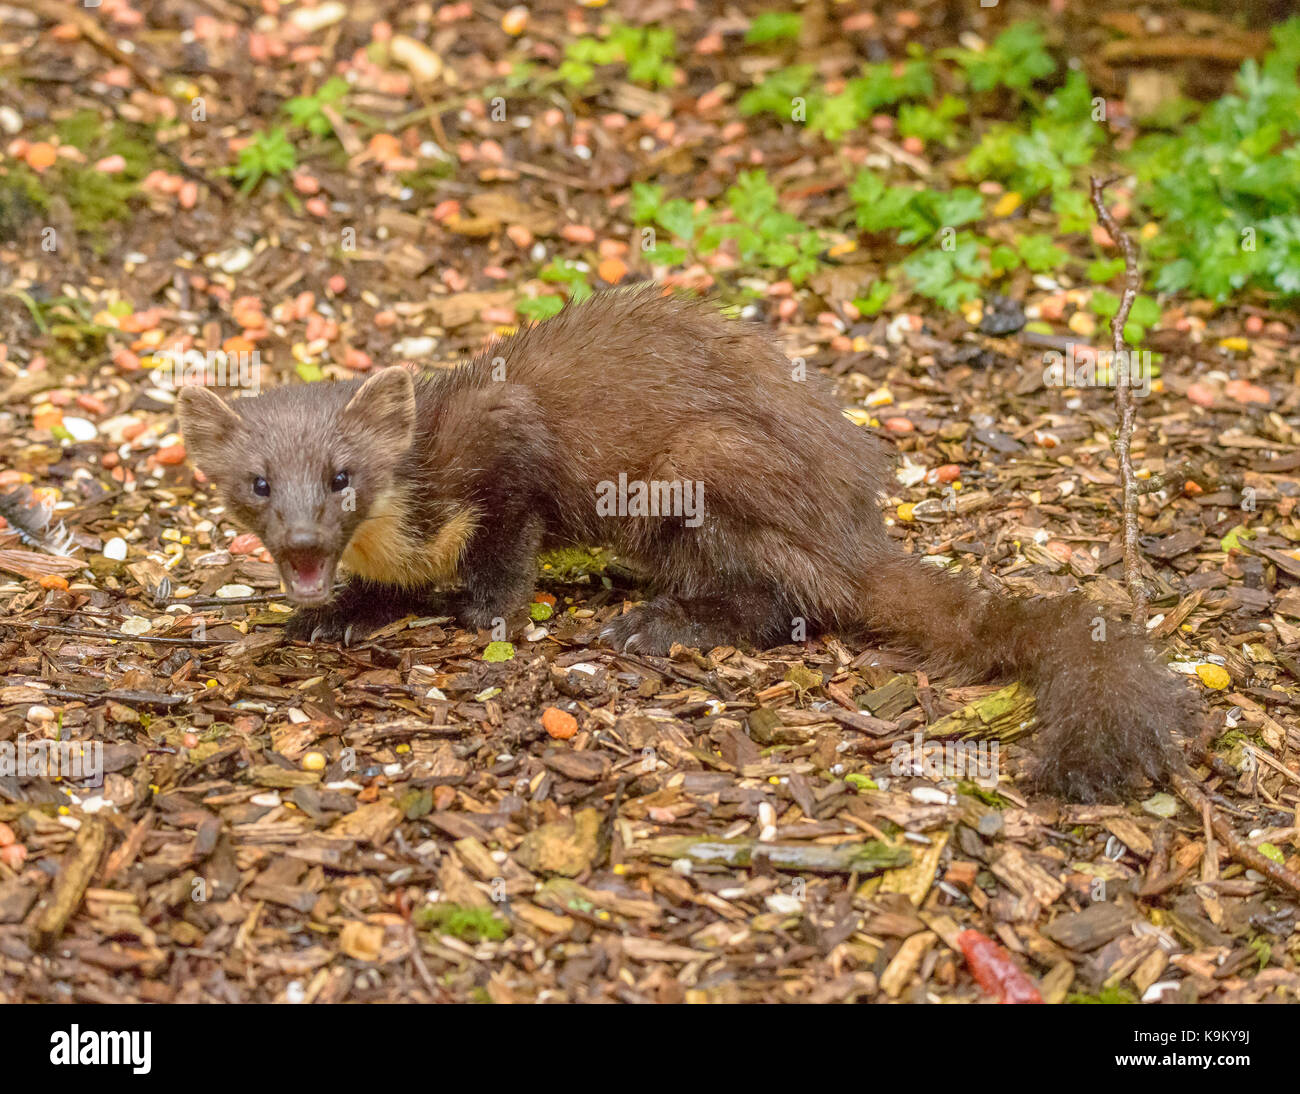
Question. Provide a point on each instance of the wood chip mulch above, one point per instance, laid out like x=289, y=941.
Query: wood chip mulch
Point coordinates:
x=413, y=818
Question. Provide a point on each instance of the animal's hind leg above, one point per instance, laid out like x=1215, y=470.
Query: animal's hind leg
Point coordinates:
x=731, y=573
x=758, y=617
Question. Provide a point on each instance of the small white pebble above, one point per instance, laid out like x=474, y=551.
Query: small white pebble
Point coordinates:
x=81, y=429
x=421, y=346
x=783, y=904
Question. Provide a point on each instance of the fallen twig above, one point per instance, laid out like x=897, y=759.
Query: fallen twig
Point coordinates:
x=87, y=632
x=843, y=858
x=130, y=698
x=1190, y=791
x=226, y=601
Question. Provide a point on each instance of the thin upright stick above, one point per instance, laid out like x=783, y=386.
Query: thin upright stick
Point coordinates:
x=1183, y=781
x=1125, y=405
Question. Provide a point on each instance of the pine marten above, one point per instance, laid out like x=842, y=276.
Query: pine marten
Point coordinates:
x=689, y=444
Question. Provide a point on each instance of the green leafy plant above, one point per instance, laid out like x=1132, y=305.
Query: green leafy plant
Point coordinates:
x=572, y=275
x=268, y=155
x=776, y=94
x=541, y=307
x=877, y=297
x=1144, y=313
x=774, y=26
x=832, y=116
x=1040, y=254
x=891, y=82
x=916, y=213
x=676, y=216
x=936, y=123
x=1061, y=139
x=308, y=111
x=648, y=52
x=1014, y=60
x=582, y=58
x=1225, y=187
x=1102, y=270
x=948, y=275
x=766, y=237
x=1219, y=193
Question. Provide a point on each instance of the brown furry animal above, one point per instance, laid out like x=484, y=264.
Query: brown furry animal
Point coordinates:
x=579, y=430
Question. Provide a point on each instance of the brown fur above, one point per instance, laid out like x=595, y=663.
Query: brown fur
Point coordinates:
x=660, y=389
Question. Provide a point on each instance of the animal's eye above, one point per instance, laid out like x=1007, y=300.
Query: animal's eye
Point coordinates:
x=339, y=482
x=261, y=487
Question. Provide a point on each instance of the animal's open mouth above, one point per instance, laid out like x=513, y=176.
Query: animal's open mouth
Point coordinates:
x=308, y=576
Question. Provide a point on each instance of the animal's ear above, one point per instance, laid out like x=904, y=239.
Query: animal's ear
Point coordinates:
x=208, y=424
x=384, y=410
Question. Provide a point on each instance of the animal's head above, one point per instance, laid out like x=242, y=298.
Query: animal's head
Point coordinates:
x=302, y=466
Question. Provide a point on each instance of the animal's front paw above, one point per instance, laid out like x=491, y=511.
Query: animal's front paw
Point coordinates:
x=474, y=612
x=325, y=625
x=652, y=628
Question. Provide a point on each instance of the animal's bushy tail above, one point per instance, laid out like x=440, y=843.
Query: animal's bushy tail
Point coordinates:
x=1105, y=702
